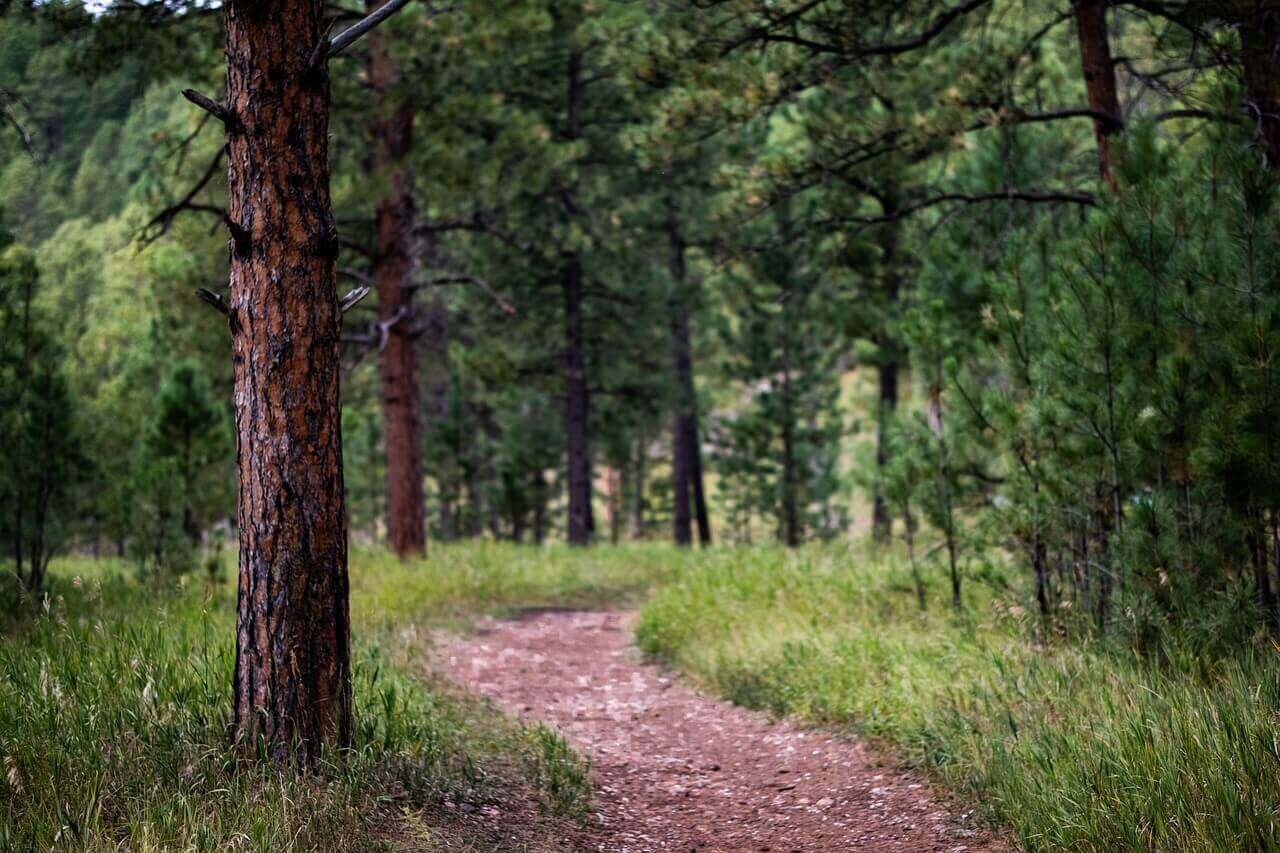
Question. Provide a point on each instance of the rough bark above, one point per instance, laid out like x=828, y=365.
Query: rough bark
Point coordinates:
x=292, y=680
x=393, y=275
x=1099, y=78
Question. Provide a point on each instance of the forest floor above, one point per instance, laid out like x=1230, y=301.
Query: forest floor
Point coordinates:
x=676, y=770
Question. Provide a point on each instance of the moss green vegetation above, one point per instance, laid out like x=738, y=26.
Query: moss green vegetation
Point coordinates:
x=114, y=709
x=1083, y=746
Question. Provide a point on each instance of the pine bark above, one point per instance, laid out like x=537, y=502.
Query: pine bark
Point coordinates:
x=1099, y=78
x=393, y=275
x=292, y=679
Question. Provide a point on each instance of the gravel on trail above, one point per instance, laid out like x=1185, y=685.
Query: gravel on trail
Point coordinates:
x=676, y=770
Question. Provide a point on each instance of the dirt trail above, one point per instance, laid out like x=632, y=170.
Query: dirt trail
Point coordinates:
x=676, y=770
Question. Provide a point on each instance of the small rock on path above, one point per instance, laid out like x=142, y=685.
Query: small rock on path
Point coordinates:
x=677, y=771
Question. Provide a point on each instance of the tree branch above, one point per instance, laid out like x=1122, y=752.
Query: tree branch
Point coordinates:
x=1031, y=196
x=159, y=224
x=462, y=278
x=328, y=47
x=349, y=301
x=213, y=108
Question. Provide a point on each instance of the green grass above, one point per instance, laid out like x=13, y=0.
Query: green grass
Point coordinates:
x=114, y=706
x=455, y=583
x=1080, y=746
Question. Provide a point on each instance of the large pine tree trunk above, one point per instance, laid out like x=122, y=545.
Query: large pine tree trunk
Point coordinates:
x=393, y=275
x=577, y=408
x=1099, y=78
x=292, y=682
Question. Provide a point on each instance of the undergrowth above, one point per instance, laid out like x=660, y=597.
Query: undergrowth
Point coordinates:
x=114, y=713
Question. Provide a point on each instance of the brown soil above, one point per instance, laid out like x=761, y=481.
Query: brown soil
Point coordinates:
x=676, y=770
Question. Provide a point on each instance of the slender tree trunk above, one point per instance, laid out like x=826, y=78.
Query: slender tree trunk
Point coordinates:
x=1264, y=595
x=635, y=527
x=581, y=522
x=1260, y=59
x=1099, y=78
x=887, y=380
x=938, y=426
x=700, y=513
x=887, y=369
x=790, y=510
x=539, y=493
x=909, y=531
x=577, y=408
x=292, y=682
x=684, y=427
x=686, y=462
x=433, y=342
x=393, y=274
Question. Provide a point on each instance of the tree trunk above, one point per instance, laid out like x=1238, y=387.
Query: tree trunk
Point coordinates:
x=1099, y=78
x=689, y=501
x=393, y=273
x=292, y=682
x=937, y=426
x=1259, y=42
x=684, y=428
x=635, y=527
x=539, y=496
x=887, y=379
x=790, y=520
x=577, y=408
x=700, y=513
x=887, y=370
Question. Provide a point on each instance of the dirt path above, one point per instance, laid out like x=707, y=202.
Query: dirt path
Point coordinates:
x=679, y=771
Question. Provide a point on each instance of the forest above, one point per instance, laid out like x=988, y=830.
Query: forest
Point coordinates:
x=640, y=425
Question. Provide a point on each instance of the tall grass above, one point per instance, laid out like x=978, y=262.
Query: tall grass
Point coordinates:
x=114, y=708
x=1084, y=747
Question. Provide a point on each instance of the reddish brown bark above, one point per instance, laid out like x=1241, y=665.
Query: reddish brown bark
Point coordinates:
x=1099, y=78
x=292, y=681
x=393, y=276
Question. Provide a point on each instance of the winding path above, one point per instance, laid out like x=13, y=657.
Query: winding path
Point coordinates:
x=677, y=771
